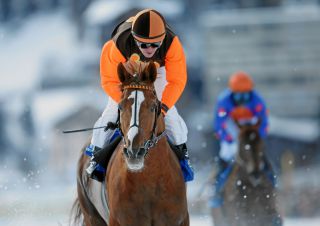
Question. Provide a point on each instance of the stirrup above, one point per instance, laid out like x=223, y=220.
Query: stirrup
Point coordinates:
x=92, y=166
x=95, y=171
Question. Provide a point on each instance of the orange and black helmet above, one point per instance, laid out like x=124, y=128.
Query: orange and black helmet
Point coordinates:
x=240, y=82
x=148, y=26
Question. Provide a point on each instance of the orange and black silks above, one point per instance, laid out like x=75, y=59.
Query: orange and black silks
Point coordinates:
x=122, y=47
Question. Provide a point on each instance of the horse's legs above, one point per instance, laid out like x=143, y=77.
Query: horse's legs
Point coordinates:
x=218, y=218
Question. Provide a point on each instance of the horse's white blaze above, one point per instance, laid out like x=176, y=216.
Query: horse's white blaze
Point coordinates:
x=138, y=98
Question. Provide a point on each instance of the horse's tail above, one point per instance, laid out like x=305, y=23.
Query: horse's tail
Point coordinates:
x=83, y=210
x=76, y=214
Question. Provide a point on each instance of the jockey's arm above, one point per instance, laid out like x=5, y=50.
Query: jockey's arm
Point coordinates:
x=260, y=111
x=176, y=74
x=221, y=116
x=263, y=115
x=109, y=60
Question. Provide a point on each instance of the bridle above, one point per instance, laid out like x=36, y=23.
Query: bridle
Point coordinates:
x=154, y=139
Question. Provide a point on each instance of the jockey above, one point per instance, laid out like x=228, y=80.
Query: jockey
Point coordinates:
x=144, y=37
x=242, y=103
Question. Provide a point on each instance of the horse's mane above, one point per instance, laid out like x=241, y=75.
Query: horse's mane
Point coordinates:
x=137, y=73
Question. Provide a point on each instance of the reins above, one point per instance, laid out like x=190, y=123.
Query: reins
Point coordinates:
x=148, y=144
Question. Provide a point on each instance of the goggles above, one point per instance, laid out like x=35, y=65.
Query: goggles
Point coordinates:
x=241, y=98
x=143, y=45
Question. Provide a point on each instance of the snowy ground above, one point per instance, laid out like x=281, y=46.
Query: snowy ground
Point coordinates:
x=37, y=205
x=30, y=200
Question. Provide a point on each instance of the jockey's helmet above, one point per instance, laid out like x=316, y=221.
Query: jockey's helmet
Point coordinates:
x=148, y=26
x=240, y=82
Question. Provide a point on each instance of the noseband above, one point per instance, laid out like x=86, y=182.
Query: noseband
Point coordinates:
x=153, y=140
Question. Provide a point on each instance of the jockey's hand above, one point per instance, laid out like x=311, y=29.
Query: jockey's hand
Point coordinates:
x=163, y=113
x=164, y=109
x=228, y=150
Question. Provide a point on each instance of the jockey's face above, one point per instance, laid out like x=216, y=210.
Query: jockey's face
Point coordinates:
x=148, y=49
x=241, y=98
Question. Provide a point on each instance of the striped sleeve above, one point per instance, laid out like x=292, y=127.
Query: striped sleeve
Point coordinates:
x=109, y=60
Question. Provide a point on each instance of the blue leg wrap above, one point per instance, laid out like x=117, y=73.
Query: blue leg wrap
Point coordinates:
x=217, y=199
x=187, y=170
x=89, y=152
x=215, y=202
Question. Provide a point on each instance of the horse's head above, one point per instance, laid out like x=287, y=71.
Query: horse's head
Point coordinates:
x=139, y=112
x=250, y=155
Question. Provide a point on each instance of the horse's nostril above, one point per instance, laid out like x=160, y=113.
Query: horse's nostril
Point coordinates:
x=141, y=152
x=126, y=152
x=134, y=153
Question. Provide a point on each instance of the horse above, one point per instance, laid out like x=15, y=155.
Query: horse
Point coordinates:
x=249, y=193
x=144, y=184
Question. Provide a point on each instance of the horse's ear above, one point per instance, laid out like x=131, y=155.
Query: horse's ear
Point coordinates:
x=152, y=69
x=149, y=74
x=122, y=73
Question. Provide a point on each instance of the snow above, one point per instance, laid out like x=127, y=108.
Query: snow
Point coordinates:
x=51, y=106
x=298, y=129
x=24, y=50
x=50, y=206
x=232, y=17
x=40, y=36
x=105, y=11
x=102, y=11
x=196, y=220
x=39, y=198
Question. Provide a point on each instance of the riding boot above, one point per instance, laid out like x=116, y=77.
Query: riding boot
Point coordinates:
x=183, y=156
x=94, y=170
x=100, y=158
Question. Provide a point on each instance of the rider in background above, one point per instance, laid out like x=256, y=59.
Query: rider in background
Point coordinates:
x=144, y=37
x=242, y=103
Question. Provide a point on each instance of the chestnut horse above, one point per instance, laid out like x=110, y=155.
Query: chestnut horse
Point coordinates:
x=144, y=181
x=249, y=194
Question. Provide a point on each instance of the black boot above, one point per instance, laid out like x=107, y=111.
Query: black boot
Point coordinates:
x=100, y=159
x=94, y=170
x=182, y=153
x=180, y=150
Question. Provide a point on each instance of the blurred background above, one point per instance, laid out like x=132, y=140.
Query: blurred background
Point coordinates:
x=49, y=82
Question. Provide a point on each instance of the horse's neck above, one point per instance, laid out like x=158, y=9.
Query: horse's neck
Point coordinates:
x=160, y=125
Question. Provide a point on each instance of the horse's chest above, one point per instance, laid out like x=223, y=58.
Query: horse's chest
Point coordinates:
x=245, y=196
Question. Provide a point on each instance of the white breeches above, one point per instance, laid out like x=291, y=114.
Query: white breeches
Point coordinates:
x=176, y=128
x=229, y=150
